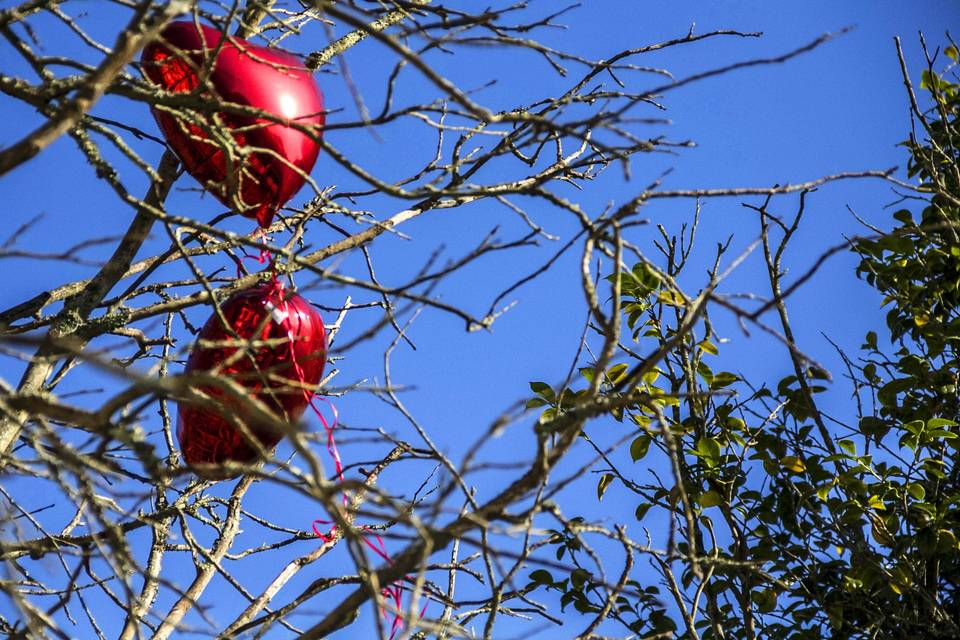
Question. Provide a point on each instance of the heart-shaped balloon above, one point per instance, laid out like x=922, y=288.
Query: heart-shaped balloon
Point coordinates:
x=266, y=163
x=274, y=345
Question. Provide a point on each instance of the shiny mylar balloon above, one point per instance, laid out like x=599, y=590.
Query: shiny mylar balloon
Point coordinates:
x=281, y=371
x=257, y=183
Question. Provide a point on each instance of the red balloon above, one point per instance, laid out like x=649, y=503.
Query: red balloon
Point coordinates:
x=276, y=373
x=259, y=183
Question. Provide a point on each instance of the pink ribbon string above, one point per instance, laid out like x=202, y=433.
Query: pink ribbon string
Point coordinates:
x=394, y=591
x=262, y=258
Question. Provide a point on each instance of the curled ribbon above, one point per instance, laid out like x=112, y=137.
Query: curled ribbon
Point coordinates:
x=392, y=592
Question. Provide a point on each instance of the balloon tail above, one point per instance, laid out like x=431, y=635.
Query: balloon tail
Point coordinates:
x=392, y=592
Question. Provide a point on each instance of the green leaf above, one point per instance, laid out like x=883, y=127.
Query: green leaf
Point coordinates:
x=735, y=423
x=672, y=298
x=872, y=426
x=887, y=395
x=765, y=600
x=708, y=347
x=709, y=499
x=914, y=426
x=824, y=490
x=640, y=446
x=900, y=580
x=541, y=576
x=818, y=374
x=929, y=80
x=723, y=379
x=642, y=511
x=904, y=215
x=605, y=481
x=547, y=416
x=708, y=448
x=543, y=390
x=916, y=491
x=647, y=276
x=951, y=53
x=616, y=373
x=946, y=541
x=705, y=372
x=660, y=398
x=640, y=419
x=793, y=464
x=849, y=447
x=578, y=578
x=783, y=387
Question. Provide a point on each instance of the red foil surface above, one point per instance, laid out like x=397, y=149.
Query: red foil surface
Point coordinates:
x=258, y=183
x=283, y=373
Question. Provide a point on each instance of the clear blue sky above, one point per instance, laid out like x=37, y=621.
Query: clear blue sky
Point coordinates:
x=839, y=108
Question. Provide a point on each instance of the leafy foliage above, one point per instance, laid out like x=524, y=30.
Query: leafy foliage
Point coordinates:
x=781, y=527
